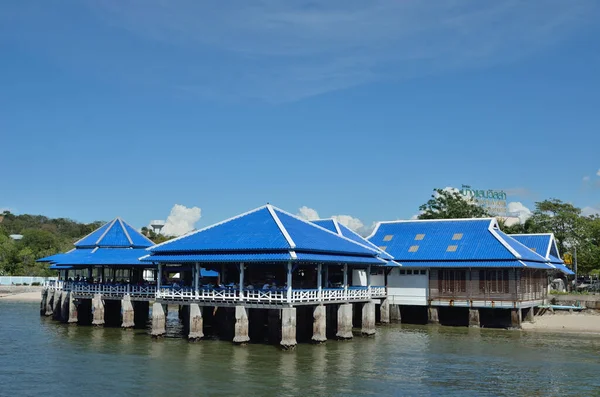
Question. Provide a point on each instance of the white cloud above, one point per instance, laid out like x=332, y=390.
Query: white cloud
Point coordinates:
x=517, y=209
x=181, y=220
x=350, y=222
x=285, y=50
x=598, y=173
x=586, y=178
x=308, y=213
x=587, y=211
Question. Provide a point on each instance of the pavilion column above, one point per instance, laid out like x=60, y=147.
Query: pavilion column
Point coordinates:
x=326, y=276
x=242, y=268
x=369, y=280
x=90, y=273
x=320, y=281
x=159, y=277
x=289, y=283
x=102, y=274
x=128, y=312
x=197, y=279
x=97, y=310
x=345, y=279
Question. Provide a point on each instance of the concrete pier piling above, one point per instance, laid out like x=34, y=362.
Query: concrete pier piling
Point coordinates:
x=97, y=310
x=159, y=324
x=196, y=324
x=384, y=312
x=395, y=315
x=241, y=326
x=43, y=302
x=530, y=315
x=50, y=302
x=368, y=319
x=64, y=306
x=515, y=318
x=433, y=315
x=73, y=315
x=56, y=309
x=288, y=328
x=344, y=316
x=474, y=318
x=319, y=324
x=127, y=312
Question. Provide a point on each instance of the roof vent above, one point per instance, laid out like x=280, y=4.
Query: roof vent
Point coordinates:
x=457, y=236
x=388, y=237
x=413, y=248
x=452, y=248
x=419, y=237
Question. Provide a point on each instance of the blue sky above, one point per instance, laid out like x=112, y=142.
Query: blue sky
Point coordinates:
x=125, y=107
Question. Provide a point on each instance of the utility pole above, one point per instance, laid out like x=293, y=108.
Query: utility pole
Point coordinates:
x=575, y=266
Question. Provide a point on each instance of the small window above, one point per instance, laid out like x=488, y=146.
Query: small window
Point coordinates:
x=388, y=237
x=402, y=271
x=452, y=248
x=409, y=272
x=457, y=236
x=413, y=248
x=419, y=237
x=533, y=249
x=423, y=272
x=383, y=247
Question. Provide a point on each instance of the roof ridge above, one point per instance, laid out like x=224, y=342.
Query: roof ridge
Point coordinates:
x=526, y=247
x=503, y=242
x=138, y=233
x=439, y=220
x=106, y=231
x=362, y=238
x=282, y=228
x=322, y=228
x=207, y=227
x=337, y=226
x=125, y=231
x=90, y=233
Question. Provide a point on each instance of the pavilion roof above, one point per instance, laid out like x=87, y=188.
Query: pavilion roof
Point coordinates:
x=265, y=234
x=453, y=242
x=545, y=245
x=115, y=234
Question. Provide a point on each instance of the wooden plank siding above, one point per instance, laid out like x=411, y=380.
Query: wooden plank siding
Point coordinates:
x=487, y=284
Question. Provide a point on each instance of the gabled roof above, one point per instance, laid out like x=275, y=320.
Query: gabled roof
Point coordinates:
x=114, y=243
x=476, y=242
x=266, y=230
x=116, y=233
x=545, y=245
x=342, y=230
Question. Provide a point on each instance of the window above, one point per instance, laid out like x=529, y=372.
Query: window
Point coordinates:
x=383, y=247
x=409, y=271
x=423, y=272
x=457, y=236
x=402, y=271
x=413, y=248
x=388, y=237
x=419, y=237
x=452, y=281
x=494, y=281
x=451, y=248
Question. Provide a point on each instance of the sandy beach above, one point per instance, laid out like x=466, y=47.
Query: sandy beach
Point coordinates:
x=32, y=296
x=588, y=322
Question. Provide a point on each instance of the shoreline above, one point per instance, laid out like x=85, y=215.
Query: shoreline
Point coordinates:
x=29, y=296
x=587, y=322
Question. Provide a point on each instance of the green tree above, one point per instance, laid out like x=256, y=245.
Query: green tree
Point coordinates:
x=562, y=219
x=446, y=204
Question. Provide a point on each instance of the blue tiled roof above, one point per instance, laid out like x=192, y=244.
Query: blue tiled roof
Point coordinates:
x=116, y=233
x=342, y=230
x=537, y=242
x=324, y=258
x=525, y=252
x=462, y=264
x=264, y=231
x=58, y=267
x=554, y=260
x=459, y=239
x=564, y=269
x=99, y=257
x=538, y=265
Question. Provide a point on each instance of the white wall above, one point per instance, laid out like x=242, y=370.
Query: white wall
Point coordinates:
x=359, y=278
x=408, y=289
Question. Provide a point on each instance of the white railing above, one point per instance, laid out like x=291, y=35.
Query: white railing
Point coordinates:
x=53, y=285
x=142, y=291
x=378, y=292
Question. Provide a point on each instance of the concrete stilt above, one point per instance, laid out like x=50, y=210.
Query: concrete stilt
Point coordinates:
x=159, y=324
x=368, y=319
x=432, y=315
x=64, y=306
x=127, y=312
x=97, y=310
x=73, y=315
x=196, y=323
x=395, y=316
x=474, y=318
x=288, y=328
x=530, y=315
x=49, y=302
x=319, y=324
x=344, y=316
x=241, y=325
x=56, y=308
x=384, y=311
x=515, y=318
x=43, y=302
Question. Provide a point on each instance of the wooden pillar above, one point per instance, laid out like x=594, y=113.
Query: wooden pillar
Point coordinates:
x=319, y=324
x=159, y=323
x=128, y=313
x=288, y=328
x=474, y=318
x=384, y=311
x=241, y=326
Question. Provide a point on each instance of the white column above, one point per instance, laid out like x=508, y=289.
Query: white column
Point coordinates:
x=241, y=281
x=319, y=280
x=345, y=279
x=159, y=277
x=289, y=282
x=196, y=279
x=369, y=280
